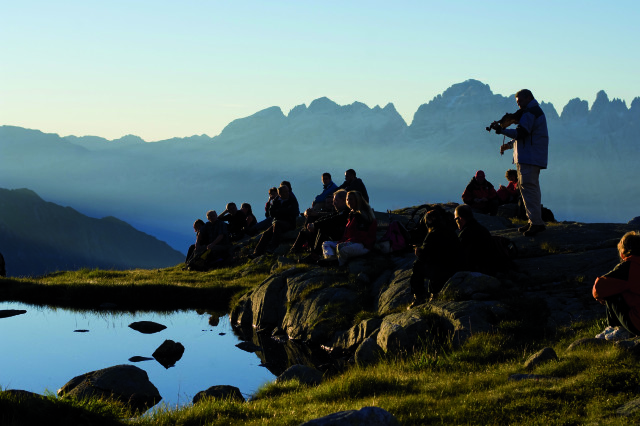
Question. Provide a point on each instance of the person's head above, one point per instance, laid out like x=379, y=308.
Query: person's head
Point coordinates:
x=212, y=216
x=629, y=244
x=326, y=178
x=273, y=192
x=357, y=203
x=349, y=175
x=523, y=97
x=197, y=225
x=283, y=192
x=340, y=199
x=246, y=208
x=511, y=175
x=479, y=176
x=287, y=184
x=436, y=218
x=463, y=215
x=231, y=208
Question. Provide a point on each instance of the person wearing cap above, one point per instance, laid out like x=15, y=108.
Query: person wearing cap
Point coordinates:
x=530, y=144
x=481, y=195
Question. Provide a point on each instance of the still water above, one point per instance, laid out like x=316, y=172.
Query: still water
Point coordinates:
x=39, y=351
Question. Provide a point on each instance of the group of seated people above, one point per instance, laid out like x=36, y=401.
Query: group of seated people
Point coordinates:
x=334, y=216
x=481, y=195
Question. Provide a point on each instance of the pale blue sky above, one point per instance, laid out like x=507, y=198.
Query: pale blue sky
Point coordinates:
x=161, y=69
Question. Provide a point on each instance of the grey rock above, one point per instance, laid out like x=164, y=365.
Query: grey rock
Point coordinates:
x=147, y=327
x=464, y=318
x=403, y=331
x=305, y=375
x=465, y=284
x=629, y=408
x=540, y=357
x=352, y=338
x=126, y=383
x=370, y=416
x=635, y=221
x=368, y=352
x=168, y=353
x=225, y=392
x=396, y=294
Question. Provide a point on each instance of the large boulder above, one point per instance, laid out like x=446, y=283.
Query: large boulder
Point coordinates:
x=396, y=294
x=404, y=331
x=304, y=374
x=220, y=392
x=168, y=353
x=465, y=284
x=370, y=416
x=464, y=318
x=368, y=352
x=125, y=383
x=349, y=340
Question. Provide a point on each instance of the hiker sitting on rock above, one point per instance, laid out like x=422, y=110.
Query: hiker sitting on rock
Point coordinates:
x=511, y=192
x=250, y=220
x=197, y=226
x=328, y=188
x=283, y=212
x=236, y=220
x=353, y=183
x=619, y=291
x=212, y=244
x=476, y=243
x=480, y=195
x=438, y=258
x=267, y=221
x=359, y=235
x=327, y=228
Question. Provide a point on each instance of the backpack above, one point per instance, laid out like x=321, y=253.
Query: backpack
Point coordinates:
x=396, y=238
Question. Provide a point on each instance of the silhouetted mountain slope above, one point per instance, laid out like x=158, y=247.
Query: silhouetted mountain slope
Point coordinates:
x=162, y=187
x=37, y=237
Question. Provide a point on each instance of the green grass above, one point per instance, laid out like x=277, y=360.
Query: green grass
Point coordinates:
x=439, y=383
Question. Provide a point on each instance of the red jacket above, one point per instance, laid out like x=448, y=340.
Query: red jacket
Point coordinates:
x=615, y=283
x=360, y=230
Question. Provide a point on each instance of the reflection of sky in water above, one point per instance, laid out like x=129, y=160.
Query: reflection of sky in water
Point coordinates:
x=40, y=351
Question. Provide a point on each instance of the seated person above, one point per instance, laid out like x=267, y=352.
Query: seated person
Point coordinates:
x=236, y=220
x=212, y=243
x=291, y=194
x=266, y=222
x=619, y=291
x=328, y=188
x=511, y=192
x=284, y=212
x=476, y=243
x=250, y=218
x=353, y=183
x=480, y=195
x=328, y=228
x=438, y=258
x=359, y=234
x=197, y=226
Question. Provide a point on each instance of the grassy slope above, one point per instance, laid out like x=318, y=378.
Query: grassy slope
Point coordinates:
x=436, y=384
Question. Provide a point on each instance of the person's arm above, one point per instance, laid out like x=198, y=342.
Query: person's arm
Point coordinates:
x=216, y=241
x=614, y=282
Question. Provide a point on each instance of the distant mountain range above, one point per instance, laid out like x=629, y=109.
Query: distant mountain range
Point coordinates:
x=37, y=237
x=162, y=187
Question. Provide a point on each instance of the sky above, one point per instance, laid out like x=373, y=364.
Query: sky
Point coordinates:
x=161, y=69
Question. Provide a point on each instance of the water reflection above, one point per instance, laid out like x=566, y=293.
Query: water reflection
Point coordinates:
x=44, y=348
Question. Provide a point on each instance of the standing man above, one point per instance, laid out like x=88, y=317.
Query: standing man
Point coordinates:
x=531, y=148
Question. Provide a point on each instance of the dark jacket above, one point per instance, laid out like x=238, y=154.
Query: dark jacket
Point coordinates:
x=478, y=249
x=236, y=221
x=210, y=231
x=285, y=210
x=333, y=225
x=477, y=189
x=355, y=185
x=440, y=252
